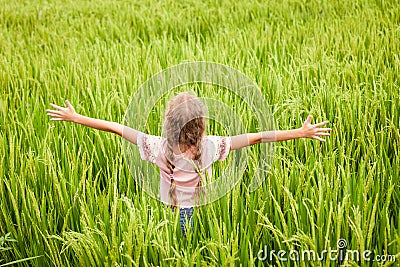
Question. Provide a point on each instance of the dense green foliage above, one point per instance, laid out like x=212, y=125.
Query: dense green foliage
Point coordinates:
x=66, y=193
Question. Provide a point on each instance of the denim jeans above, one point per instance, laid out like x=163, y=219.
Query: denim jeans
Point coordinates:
x=186, y=215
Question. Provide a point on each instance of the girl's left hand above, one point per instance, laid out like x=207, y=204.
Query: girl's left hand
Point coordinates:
x=62, y=114
x=309, y=130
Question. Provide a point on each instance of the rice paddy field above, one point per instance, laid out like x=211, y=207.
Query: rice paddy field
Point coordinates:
x=67, y=196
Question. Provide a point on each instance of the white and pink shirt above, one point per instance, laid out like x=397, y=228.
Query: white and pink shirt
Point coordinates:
x=152, y=149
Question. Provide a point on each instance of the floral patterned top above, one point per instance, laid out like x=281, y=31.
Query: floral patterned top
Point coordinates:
x=152, y=149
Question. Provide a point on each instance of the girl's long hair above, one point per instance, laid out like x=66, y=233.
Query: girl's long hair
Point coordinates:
x=184, y=127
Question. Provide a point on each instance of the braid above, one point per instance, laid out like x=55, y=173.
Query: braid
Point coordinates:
x=199, y=191
x=172, y=188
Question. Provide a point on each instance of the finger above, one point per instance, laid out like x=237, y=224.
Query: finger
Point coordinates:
x=49, y=111
x=324, y=134
x=52, y=110
x=54, y=115
x=321, y=124
x=309, y=118
x=56, y=107
x=69, y=105
x=324, y=129
x=319, y=138
x=56, y=119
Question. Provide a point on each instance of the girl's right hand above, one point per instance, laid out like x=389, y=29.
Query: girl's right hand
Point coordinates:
x=62, y=114
x=314, y=131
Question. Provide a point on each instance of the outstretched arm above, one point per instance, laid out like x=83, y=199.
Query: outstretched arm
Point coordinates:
x=308, y=130
x=68, y=114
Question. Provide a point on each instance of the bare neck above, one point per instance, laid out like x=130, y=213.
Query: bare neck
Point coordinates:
x=180, y=149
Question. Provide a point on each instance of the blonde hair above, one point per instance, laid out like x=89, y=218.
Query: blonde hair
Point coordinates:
x=184, y=126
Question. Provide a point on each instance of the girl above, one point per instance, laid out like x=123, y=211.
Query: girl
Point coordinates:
x=186, y=154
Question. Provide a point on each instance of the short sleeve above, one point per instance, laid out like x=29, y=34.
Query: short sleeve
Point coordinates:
x=221, y=146
x=149, y=146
